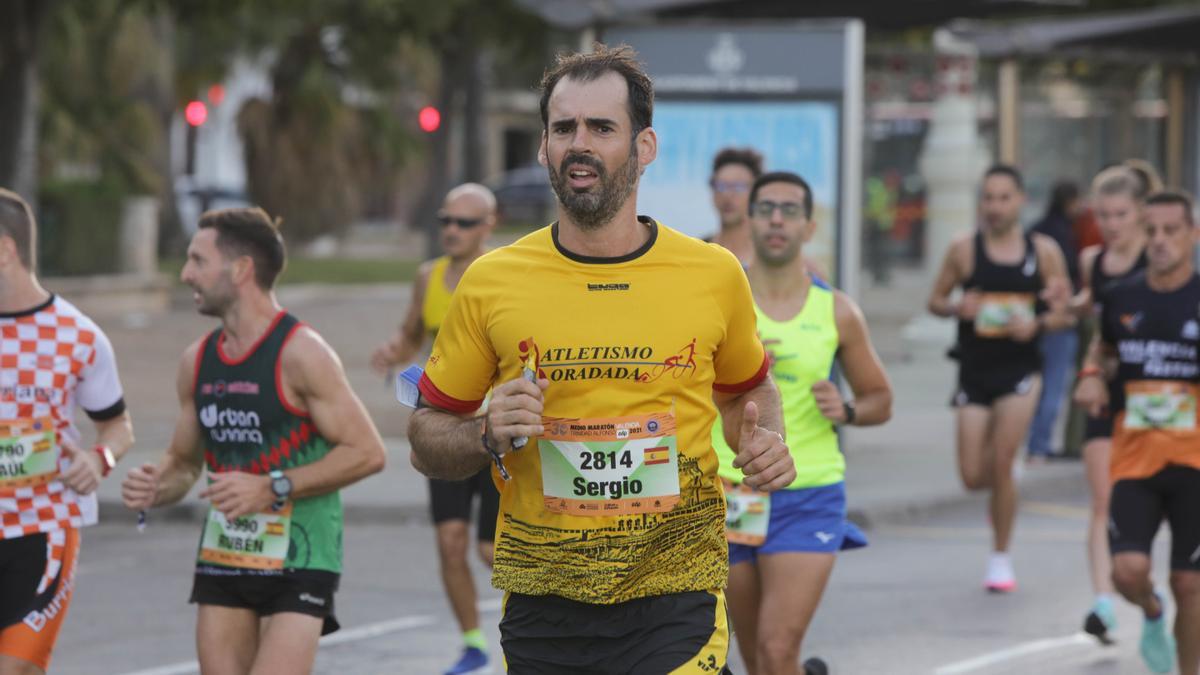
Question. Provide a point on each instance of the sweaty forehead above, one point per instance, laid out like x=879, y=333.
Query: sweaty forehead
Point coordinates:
x=606, y=97
x=781, y=192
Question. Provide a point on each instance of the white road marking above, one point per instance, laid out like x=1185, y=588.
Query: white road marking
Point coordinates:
x=1015, y=652
x=371, y=630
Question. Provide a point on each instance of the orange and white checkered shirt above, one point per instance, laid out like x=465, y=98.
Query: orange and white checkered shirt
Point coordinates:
x=52, y=358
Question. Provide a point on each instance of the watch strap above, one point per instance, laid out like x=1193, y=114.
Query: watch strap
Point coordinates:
x=107, y=460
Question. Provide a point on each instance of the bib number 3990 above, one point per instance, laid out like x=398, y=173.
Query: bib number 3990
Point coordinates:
x=610, y=466
x=257, y=541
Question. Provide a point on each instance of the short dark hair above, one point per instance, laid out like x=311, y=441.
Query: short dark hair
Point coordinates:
x=17, y=223
x=1167, y=197
x=747, y=157
x=622, y=60
x=1061, y=195
x=783, y=177
x=249, y=232
x=1006, y=170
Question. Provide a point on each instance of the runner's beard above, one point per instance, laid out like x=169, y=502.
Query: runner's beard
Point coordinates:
x=592, y=209
x=215, y=301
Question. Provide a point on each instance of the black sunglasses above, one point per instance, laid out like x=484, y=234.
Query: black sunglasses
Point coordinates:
x=463, y=223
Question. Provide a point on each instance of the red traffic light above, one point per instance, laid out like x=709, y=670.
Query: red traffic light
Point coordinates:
x=216, y=94
x=196, y=113
x=429, y=119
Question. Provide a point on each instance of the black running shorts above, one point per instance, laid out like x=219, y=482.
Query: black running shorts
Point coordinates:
x=37, y=580
x=1098, y=427
x=451, y=500
x=301, y=591
x=984, y=386
x=1138, y=507
x=682, y=633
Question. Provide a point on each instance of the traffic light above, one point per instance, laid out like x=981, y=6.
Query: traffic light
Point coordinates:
x=196, y=113
x=216, y=94
x=429, y=119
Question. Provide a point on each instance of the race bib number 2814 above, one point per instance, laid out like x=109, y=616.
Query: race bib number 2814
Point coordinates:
x=610, y=466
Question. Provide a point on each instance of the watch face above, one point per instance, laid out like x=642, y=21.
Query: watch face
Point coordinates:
x=281, y=486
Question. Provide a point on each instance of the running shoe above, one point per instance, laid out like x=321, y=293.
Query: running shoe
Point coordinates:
x=1000, y=577
x=1101, y=621
x=815, y=666
x=1157, y=647
x=472, y=662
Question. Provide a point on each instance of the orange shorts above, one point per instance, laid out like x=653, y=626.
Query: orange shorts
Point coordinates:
x=37, y=577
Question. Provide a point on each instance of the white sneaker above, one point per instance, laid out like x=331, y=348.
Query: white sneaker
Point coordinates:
x=1000, y=577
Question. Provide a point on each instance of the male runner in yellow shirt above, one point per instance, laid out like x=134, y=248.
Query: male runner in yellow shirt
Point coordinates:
x=606, y=337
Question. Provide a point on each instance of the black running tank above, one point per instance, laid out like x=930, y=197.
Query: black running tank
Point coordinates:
x=1101, y=281
x=982, y=345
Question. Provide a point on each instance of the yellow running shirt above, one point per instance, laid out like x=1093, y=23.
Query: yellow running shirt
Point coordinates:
x=437, y=297
x=620, y=499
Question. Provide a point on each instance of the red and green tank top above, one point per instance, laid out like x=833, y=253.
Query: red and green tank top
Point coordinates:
x=248, y=425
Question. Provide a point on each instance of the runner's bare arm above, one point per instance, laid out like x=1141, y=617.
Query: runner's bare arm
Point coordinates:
x=860, y=363
x=1081, y=304
x=450, y=446
x=403, y=347
x=950, y=275
x=754, y=428
x=314, y=380
x=1098, y=367
x=1057, y=284
x=87, y=468
x=116, y=433
x=169, y=480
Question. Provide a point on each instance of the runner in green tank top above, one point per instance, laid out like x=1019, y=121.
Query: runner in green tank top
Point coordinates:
x=782, y=545
x=265, y=405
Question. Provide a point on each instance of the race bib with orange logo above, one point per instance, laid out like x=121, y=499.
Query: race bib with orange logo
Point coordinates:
x=28, y=453
x=1152, y=404
x=610, y=466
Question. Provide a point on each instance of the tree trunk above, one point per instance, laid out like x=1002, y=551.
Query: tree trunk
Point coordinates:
x=20, y=23
x=473, y=137
x=439, y=153
x=171, y=239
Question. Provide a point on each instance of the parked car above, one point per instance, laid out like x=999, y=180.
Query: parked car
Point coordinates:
x=524, y=196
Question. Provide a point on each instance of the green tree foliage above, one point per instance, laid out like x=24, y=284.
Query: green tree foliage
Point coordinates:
x=324, y=147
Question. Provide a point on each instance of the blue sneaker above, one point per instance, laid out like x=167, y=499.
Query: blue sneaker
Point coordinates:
x=1101, y=621
x=1157, y=647
x=472, y=662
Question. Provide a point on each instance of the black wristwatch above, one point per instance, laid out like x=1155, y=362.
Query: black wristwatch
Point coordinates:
x=849, y=411
x=281, y=487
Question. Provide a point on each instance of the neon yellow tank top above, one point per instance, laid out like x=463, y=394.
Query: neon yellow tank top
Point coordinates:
x=437, y=297
x=802, y=350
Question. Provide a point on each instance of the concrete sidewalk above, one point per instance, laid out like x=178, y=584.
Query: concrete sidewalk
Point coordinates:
x=897, y=471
